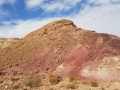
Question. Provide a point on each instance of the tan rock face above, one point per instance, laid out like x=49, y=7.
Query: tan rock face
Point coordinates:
x=61, y=48
x=4, y=42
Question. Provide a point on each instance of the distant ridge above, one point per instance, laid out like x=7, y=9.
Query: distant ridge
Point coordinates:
x=4, y=42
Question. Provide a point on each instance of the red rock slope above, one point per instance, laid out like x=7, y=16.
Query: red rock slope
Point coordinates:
x=61, y=48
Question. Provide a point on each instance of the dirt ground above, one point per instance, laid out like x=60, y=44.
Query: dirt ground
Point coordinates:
x=53, y=82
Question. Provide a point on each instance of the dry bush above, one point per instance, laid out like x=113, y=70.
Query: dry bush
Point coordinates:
x=94, y=84
x=102, y=88
x=13, y=79
x=71, y=79
x=1, y=81
x=16, y=86
x=51, y=89
x=85, y=83
x=72, y=86
x=32, y=81
x=54, y=79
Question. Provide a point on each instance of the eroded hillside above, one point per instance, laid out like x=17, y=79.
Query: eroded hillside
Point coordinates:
x=64, y=49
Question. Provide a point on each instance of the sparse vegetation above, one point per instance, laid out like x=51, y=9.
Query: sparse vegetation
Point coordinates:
x=54, y=79
x=72, y=86
x=94, y=84
x=54, y=82
x=32, y=81
x=102, y=88
x=85, y=83
x=1, y=81
x=51, y=89
x=16, y=86
x=14, y=79
x=71, y=79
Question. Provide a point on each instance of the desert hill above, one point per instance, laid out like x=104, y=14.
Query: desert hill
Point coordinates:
x=4, y=42
x=62, y=48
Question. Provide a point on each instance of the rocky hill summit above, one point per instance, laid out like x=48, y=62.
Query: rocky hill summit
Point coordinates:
x=62, y=48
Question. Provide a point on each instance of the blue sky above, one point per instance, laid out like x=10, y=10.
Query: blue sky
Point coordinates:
x=20, y=17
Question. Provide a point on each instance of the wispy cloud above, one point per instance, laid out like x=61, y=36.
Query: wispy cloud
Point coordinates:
x=115, y=1
x=53, y=5
x=33, y=3
x=20, y=28
x=103, y=18
x=103, y=2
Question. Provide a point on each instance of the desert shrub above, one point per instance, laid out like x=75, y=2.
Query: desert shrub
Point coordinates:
x=94, y=84
x=54, y=79
x=72, y=86
x=32, y=81
x=102, y=88
x=14, y=79
x=1, y=81
x=51, y=89
x=71, y=79
x=85, y=83
x=16, y=86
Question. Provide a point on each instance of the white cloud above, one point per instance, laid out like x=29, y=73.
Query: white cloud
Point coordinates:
x=104, y=19
x=22, y=28
x=115, y=1
x=55, y=5
x=99, y=1
x=34, y=3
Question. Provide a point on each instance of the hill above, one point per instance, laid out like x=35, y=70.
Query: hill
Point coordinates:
x=64, y=49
